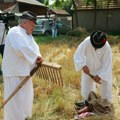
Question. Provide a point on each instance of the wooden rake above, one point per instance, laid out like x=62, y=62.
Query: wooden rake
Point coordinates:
x=46, y=71
x=50, y=72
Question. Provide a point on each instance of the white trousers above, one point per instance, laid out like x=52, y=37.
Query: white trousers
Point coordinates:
x=88, y=85
x=20, y=106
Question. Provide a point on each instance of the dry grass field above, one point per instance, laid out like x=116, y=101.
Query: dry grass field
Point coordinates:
x=54, y=102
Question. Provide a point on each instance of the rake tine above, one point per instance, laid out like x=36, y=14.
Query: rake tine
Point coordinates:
x=50, y=72
x=50, y=75
x=39, y=73
x=53, y=75
x=56, y=76
x=60, y=77
x=46, y=72
x=55, y=80
x=42, y=73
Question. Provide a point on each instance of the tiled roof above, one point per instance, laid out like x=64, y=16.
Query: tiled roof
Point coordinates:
x=10, y=5
x=11, y=8
x=80, y=4
x=33, y=2
x=4, y=6
x=58, y=12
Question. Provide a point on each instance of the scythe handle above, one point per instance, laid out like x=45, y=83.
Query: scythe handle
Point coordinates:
x=20, y=85
x=92, y=76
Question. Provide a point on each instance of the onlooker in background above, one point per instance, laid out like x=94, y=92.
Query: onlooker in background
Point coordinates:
x=20, y=56
x=54, y=28
x=94, y=56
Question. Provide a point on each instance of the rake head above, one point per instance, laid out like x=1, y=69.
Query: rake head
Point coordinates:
x=50, y=72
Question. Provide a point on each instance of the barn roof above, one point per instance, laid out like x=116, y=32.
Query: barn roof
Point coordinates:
x=58, y=12
x=32, y=2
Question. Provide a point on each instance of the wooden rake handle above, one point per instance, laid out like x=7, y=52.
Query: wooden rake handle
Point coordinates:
x=20, y=85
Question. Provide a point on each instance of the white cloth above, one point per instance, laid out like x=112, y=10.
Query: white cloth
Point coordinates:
x=20, y=106
x=20, y=53
x=19, y=58
x=99, y=63
x=2, y=28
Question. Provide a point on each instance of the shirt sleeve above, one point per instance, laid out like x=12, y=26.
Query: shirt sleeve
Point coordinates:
x=105, y=72
x=79, y=56
x=22, y=48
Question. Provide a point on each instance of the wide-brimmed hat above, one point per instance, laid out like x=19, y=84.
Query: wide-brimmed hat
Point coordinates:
x=98, y=39
x=29, y=15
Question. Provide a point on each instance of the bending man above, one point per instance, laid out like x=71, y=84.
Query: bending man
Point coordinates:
x=94, y=56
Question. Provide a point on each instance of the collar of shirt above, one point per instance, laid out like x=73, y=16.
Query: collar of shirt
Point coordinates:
x=24, y=31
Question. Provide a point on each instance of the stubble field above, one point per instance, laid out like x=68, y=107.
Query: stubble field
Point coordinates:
x=54, y=102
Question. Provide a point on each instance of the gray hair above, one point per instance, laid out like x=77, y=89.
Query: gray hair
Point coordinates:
x=21, y=20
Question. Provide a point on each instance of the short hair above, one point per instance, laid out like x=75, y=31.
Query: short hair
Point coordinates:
x=21, y=20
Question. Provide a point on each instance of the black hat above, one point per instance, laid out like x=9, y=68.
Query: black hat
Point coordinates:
x=29, y=15
x=98, y=39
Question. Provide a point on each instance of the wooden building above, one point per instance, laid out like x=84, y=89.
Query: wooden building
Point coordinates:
x=18, y=6
x=61, y=15
x=101, y=17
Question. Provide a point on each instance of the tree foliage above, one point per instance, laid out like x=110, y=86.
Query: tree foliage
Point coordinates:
x=42, y=1
x=67, y=6
x=59, y=4
x=46, y=2
x=62, y=4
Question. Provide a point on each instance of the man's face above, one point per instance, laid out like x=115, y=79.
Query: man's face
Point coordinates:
x=29, y=26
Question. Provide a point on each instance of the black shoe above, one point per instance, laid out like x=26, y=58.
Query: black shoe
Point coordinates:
x=86, y=103
x=80, y=104
x=77, y=107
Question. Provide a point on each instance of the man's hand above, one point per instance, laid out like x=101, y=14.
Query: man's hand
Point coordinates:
x=97, y=79
x=39, y=60
x=86, y=70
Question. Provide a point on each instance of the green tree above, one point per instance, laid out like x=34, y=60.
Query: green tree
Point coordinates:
x=57, y=4
x=46, y=2
x=67, y=6
x=62, y=4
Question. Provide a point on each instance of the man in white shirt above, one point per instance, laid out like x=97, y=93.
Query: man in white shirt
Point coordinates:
x=21, y=53
x=94, y=56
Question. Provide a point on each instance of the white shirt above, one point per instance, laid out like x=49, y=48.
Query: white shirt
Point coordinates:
x=98, y=61
x=20, y=53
